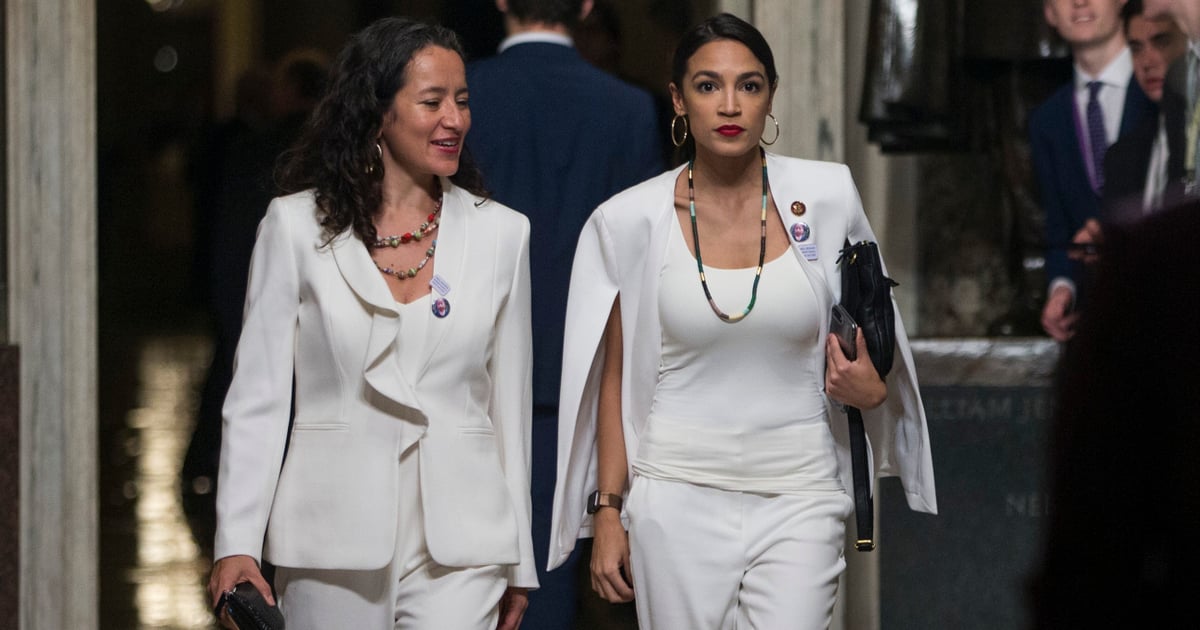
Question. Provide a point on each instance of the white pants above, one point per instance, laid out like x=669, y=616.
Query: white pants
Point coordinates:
x=411, y=593
x=708, y=559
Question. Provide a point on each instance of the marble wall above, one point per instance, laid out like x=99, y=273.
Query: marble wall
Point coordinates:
x=50, y=79
x=988, y=404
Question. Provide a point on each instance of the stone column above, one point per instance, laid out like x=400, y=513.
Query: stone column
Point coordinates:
x=51, y=177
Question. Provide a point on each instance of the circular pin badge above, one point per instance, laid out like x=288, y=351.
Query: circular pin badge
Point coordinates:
x=441, y=307
x=801, y=232
x=798, y=208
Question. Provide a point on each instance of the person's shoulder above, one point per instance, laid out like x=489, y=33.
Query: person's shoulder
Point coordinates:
x=294, y=204
x=1053, y=105
x=617, y=91
x=502, y=217
x=823, y=169
x=654, y=185
x=296, y=214
x=641, y=198
x=492, y=75
x=483, y=65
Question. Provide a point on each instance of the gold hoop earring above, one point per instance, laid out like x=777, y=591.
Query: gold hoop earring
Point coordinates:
x=378, y=158
x=674, y=139
x=776, y=138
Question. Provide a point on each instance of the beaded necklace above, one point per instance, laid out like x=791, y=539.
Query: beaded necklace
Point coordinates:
x=762, y=249
x=405, y=274
x=425, y=229
x=430, y=224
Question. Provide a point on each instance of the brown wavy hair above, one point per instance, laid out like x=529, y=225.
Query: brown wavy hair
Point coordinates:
x=335, y=154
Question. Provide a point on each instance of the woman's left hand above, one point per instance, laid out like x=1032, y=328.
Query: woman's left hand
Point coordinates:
x=513, y=603
x=854, y=383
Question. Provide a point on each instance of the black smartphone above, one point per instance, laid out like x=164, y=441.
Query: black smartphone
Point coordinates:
x=842, y=325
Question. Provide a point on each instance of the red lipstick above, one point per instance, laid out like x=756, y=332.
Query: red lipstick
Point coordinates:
x=729, y=130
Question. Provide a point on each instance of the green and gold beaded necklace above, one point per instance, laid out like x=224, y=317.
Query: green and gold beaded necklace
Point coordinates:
x=762, y=249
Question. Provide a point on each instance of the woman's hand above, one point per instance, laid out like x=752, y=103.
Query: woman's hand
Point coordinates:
x=610, y=554
x=513, y=603
x=230, y=571
x=854, y=383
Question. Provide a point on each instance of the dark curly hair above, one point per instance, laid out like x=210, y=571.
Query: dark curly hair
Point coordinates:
x=335, y=154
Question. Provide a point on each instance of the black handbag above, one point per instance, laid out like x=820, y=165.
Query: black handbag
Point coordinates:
x=248, y=609
x=867, y=296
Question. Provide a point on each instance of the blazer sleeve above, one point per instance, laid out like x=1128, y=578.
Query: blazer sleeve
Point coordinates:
x=1057, y=228
x=510, y=366
x=258, y=405
x=897, y=430
x=594, y=285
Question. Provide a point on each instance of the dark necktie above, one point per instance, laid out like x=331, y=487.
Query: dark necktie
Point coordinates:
x=1096, y=136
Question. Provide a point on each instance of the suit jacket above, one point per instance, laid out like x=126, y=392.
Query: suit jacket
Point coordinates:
x=555, y=137
x=621, y=251
x=320, y=315
x=1125, y=170
x=1066, y=193
x=1174, y=107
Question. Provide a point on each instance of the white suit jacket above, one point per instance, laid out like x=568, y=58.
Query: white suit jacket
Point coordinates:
x=324, y=313
x=621, y=250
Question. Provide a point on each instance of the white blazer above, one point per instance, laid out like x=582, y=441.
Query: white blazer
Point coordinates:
x=324, y=313
x=621, y=250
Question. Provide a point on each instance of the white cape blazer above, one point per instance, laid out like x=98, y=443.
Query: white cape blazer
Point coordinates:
x=324, y=313
x=621, y=250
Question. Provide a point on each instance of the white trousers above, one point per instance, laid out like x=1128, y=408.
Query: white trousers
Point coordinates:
x=708, y=559
x=411, y=593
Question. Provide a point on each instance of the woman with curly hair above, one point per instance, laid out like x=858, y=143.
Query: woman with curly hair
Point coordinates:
x=388, y=312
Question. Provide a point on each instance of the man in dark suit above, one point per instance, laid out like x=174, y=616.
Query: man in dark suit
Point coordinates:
x=554, y=138
x=1070, y=133
x=1135, y=167
x=1181, y=95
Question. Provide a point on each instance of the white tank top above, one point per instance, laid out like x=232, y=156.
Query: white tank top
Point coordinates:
x=738, y=406
x=414, y=332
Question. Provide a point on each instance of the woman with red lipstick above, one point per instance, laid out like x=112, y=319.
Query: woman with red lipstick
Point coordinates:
x=700, y=377
x=388, y=312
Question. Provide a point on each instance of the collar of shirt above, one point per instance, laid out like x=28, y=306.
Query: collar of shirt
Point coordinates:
x=1115, y=74
x=542, y=37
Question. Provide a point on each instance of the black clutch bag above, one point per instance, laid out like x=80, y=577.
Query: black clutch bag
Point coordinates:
x=867, y=296
x=248, y=610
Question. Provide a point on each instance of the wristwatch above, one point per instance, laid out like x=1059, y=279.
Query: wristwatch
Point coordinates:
x=597, y=500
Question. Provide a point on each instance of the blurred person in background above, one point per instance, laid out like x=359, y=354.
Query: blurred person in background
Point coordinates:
x=554, y=137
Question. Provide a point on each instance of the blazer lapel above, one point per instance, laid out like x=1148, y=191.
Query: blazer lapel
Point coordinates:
x=786, y=189
x=380, y=368
x=449, y=261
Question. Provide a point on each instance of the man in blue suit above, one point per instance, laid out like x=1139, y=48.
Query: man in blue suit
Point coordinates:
x=554, y=138
x=1070, y=133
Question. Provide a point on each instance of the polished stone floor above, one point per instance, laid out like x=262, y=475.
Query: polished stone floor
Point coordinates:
x=154, y=558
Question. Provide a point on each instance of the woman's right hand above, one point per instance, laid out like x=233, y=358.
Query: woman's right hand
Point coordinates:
x=230, y=571
x=610, y=558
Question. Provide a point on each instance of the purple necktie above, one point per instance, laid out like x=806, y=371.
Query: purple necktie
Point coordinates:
x=1096, y=136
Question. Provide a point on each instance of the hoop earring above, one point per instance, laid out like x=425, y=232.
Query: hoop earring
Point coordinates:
x=678, y=142
x=776, y=138
x=378, y=158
